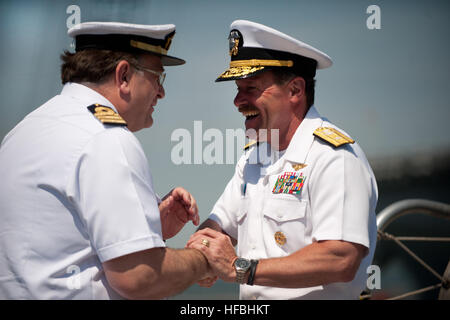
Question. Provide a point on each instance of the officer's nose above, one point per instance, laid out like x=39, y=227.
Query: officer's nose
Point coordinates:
x=239, y=100
x=161, y=92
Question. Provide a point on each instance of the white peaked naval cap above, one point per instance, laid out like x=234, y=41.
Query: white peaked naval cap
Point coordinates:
x=254, y=48
x=126, y=37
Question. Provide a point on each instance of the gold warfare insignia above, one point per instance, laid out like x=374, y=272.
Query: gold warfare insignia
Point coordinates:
x=106, y=115
x=299, y=166
x=332, y=136
x=234, y=42
x=280, y=238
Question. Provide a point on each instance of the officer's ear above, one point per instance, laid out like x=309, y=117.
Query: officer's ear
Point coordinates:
x=123, y=74
x=296, y=89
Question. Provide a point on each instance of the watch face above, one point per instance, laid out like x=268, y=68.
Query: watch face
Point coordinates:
x=242, y=263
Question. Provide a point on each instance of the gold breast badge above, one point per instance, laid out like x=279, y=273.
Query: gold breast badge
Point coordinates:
x=280, y=238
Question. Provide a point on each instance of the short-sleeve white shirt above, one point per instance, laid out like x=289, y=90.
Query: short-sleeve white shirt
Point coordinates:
x=74, y=193
x=336, y=202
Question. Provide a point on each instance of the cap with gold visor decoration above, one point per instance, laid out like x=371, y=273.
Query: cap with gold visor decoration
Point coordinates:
x=126, y=37
x=255, y=48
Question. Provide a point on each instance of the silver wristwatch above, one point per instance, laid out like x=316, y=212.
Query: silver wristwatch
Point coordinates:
x=242, y=266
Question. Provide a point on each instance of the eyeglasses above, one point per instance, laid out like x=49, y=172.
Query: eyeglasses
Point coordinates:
x=161, y=75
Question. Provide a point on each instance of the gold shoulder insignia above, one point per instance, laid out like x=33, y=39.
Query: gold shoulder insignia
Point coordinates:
x=250, y=144
x=332, y=136
x=106, y=115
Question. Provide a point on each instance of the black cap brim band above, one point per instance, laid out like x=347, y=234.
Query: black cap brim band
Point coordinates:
x=128, y=43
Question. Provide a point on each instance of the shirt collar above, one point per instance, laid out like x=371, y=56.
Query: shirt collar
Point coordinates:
x=303, y=138
x=85, y=95
x=298, y=146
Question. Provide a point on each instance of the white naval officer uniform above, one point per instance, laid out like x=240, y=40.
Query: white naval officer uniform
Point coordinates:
x=336, y=202
x=74, y=193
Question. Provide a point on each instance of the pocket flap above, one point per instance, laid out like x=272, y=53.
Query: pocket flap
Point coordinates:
x=284, y=209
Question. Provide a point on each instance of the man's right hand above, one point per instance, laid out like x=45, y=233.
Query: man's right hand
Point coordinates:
x=219, y=252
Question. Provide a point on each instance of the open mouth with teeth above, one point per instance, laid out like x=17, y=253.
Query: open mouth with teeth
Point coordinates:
x=250, y=114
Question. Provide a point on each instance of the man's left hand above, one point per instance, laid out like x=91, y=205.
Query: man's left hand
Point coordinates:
x=176, y=209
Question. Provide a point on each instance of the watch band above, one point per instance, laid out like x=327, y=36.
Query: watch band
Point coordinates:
x=251, y=277
x=240, y=275
x=242, y=267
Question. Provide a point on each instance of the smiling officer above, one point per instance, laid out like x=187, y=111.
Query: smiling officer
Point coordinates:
x=79, y=215
x=302, y=213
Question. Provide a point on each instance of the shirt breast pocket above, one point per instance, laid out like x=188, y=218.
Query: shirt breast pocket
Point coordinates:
x=284, y=223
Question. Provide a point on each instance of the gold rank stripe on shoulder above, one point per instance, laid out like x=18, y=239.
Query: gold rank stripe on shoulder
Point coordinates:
x=332, y=136
x=106, y=115
x=250, y=144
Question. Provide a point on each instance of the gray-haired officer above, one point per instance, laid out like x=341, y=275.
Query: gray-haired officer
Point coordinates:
x=304, y=219
x=79, y=215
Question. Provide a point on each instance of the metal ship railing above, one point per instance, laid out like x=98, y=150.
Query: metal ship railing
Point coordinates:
x=414, y=206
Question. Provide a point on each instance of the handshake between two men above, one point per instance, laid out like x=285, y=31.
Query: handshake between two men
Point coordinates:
x=176, y=209
x=218, y=249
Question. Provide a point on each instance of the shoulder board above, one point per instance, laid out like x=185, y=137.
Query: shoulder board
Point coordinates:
x=332, y=136
x=106, y=115
x=251, y=144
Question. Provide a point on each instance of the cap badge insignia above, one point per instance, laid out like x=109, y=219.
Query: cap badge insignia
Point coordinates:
x=289, y=182
x=280, y=238
x=234, y=42
x=106, y=115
